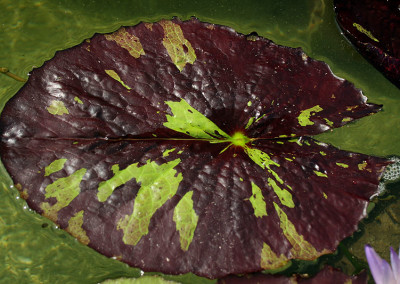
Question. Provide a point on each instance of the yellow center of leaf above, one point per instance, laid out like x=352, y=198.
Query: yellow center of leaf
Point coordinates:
x=239, y=139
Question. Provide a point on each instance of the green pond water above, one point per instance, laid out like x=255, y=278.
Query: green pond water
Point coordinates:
x=34, y=250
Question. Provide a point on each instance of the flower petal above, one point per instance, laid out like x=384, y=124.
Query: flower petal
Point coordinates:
x=380, y=269
x=395, y=261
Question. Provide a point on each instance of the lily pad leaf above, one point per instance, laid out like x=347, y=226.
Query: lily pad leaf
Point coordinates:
x=373, y=27
x=193, y=153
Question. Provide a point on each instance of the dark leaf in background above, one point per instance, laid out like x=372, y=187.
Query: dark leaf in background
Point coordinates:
x=326, y=276
x=373, y=27
x=181, y=147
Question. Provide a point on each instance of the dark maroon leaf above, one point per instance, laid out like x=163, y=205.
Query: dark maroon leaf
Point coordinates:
x=373, y=26
x=180, y=147
x=326, y=276
x=330, y=275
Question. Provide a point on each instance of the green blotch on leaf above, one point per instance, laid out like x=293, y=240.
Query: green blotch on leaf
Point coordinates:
x=301, y=249
x=249, y=123
x=75, y=228
x=362, y=166
x=260, y=158
x=260, y=117
x=304, y=117
x=167, y=152
x=297, y=141
x=342, y=165
x=106, y=188
x=322, y=153
x=57, y=108
x=127, y=41
x=330, y=123
x=263, y=160
x=186, y=220
x=55, y=166
x=257, y=201
x=186, y=119
x=64, y=190
x=284, y=196
x=269, y=259
x=78, y=100
x=158, y=183
x=115, y=170
x=178, y=47
x=320, y=174
x=361, y=29
x=116, y=77
x=346, y=119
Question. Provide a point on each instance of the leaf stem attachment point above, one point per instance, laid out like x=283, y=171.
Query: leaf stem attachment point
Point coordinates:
x=239, y=139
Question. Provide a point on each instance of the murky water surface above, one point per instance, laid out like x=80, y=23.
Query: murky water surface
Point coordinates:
x=33, y=250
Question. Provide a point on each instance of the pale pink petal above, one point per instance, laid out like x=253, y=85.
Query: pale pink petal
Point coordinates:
x=395, y=261
x=380, y=269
